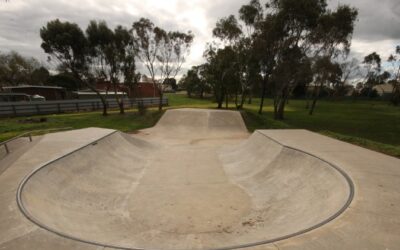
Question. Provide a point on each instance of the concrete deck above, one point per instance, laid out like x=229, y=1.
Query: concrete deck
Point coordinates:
x=198, y=180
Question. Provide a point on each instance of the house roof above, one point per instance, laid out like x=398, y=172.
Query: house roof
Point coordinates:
x=384, y=88
x=94, y=93
x=13, y=94
x=33, y=86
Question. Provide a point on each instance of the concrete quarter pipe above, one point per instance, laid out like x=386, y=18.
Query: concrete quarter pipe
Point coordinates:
x=197, y=180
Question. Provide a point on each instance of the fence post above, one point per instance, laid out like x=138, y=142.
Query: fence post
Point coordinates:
x=14, y=110
x=38, y=109
x=6, y=147
x=77, y=106
x=59, y=108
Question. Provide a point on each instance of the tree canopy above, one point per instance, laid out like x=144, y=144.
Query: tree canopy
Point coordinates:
x=16, y=69
x=276, y=47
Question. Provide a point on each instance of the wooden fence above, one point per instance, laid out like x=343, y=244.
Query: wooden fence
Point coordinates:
x=12, y=109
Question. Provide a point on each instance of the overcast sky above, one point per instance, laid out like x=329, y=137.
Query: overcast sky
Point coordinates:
x=378, y=27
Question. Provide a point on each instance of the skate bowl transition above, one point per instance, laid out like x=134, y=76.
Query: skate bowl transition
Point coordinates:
x=197, y=180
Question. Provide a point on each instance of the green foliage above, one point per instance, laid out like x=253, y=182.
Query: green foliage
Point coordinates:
x=251, y=13
x=40, y=76
x=194, y=82
x=227, y=29
x=373, y=66
x=171, y=82
x=65, y=42
x=16, y=69
x=327, y=71
x=368, y=92
x=65, y=80
x=394, y=60
x=274, y=49
x=221, y=72
x=373, y=61
x=369, y=124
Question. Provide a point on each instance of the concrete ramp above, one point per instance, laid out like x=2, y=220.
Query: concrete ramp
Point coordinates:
x=291, y=190
x=192, y=125
x=131, y=193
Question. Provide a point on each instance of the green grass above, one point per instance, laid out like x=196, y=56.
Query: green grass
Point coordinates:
x=371, y=124
x=129, y=122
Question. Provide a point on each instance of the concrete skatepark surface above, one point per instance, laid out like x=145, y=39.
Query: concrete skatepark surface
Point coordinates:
x=198, y=180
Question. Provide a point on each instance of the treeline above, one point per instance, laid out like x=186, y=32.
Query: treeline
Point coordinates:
x=100, y=52
x=16, y=69
x=375, y=75
x=274, y=48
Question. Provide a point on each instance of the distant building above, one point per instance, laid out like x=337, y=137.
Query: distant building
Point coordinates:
x=50, y=93
x=14, y=97
x=143, y=89
x=384, y=90
x=93, y=95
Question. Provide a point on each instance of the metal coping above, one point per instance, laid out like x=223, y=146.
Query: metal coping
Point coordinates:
x=247, y=245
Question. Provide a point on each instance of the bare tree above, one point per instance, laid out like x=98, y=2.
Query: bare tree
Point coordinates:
x=162, y=53
x=150, y=39
x=172, y=55
x=395, y=62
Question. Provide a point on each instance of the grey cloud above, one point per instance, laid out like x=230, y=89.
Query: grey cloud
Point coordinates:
x=21, y=20
x=378, y=20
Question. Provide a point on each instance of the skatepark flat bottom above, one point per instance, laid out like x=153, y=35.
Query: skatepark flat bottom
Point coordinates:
x=197, y=180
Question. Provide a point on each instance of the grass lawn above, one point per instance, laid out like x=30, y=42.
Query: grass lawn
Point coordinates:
x=129, y=122
x=374, y=125
x=371, y=124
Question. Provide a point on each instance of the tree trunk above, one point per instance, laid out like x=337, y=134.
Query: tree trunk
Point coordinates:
x=236, y=100
x=280, y=103
x=226, y=101
x=119, y=101
x=315, y=98
x=395, y=99
x=314, y=102
x=275, y=107
x=220, y=101
x=89, y=85
x=279, y=109
x=121, y=107
x=102, y=99
x=308, y=97
x=219, y=96
x=250, y=101
x=160, y=104
x=369, y=92
x=264, y=87
x=242, y=101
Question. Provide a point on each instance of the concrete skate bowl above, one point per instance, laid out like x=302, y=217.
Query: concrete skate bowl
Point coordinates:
x=128, y=193
x=196, y=125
